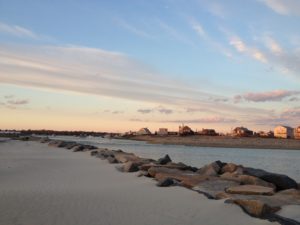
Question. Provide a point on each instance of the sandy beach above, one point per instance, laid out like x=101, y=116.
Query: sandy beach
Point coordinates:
x=43, y=185
x=223, y=141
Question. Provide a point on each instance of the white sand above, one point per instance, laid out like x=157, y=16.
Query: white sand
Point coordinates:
x=40, y=185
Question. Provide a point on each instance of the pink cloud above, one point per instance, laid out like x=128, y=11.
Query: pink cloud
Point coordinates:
x=215, y=119
x=276, y=95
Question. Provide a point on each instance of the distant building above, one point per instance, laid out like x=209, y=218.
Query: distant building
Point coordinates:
x=283, y=132
x=297, y=132
x=185, y=130
x=162, y=132
x=143, y=131
x=208, y=132
x=269, y=134
x=172, y=133
x=242, y=132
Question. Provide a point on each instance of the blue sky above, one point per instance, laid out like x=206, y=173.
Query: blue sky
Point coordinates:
x=150, y=63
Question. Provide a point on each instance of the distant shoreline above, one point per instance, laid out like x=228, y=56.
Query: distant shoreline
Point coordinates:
x=222, y=141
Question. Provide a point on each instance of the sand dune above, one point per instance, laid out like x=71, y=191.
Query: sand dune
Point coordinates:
x=52, y=186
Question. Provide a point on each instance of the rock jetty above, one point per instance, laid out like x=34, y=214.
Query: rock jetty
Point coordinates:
x=259, y=193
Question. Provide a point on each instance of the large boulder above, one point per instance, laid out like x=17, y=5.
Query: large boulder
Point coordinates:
x=45, y=140
x=54, y=143
x=105, y=153
x=246, y=179
x=250, y=190
x=94, y=153
x=70, y=145
x=282, y=182
x=147, y=166
x=112, y=160
x=124, y=157
x=166, y=159
x=187, y=179
x=255, y=208
x=130, y=167
x=164, y=170
x=77, y=148
x=212, y=169
x=214, y=188
x=167, y=182
x=170, y=165
x=229, y=168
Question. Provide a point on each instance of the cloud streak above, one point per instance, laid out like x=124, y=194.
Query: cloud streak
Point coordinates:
x=276, y=95
x=18, y=102
x=241, y=47
x=204, y=120
x=17, y=31
x=159, y=109
x=139, y=32
x=286, y=61
x=283, y=7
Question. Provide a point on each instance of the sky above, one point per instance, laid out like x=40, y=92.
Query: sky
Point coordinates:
x=117, y=66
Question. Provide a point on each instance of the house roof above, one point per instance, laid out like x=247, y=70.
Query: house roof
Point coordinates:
x=287, y=127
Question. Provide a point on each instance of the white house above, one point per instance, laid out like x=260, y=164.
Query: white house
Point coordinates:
x=144, y=131
x=297, y=132
x=162, y=132
x=283, y=132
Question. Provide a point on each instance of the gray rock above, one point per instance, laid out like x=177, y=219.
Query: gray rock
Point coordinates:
x=282, y=182
x=250, y=190
x=130, y=167
x=213, y=188
x=94, y=153
x=112, y=160
x=166, y=159
x=78, y=148
x=167, y=182
x=212, y=169
x=256, y=208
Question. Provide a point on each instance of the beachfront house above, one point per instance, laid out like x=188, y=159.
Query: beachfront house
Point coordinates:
x=242, y=132
x=297, y=132
x=162, y=132
x=144, y=131
x=208, y=132
x=264, y=134
x=185, y=130
x=283, y=132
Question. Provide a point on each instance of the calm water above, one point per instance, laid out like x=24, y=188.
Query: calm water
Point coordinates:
x=278, y=161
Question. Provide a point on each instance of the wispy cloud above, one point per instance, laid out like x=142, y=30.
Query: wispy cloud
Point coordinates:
x=203, y=120
x=145, y=111
x=273, y=46
x=11, y=102
x=217, y=9
x=113, y=111
x=18, y=102
x=277, y=95
x=159, y=109
x=174, y=33
x=283, y=7
x=242, y=47
x=131, y=28
x=94, y=71
x=198, y=28
x=290, y=116
x=268, y=51
x=17, y=31
x=8, y=96
x=104, y=73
